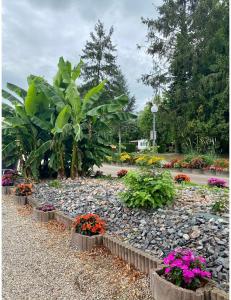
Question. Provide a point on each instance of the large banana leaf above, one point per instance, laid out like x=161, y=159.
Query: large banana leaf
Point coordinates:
x=14, y=100
x=62, y=118
x=35, y=102
x=17, y=90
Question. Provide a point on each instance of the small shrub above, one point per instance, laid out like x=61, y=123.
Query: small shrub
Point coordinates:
x=24, y=189
x=197, y=163
x=167, y=165
x=146, y=190
x=182, y=178
x=221, y=205
x=46, y=207
x=184, y=269
x=219, y=182
x=89, y=224
x=122, y=173
x=54, y=183
x=223, y=163
x=125, y=157
x=155, y=161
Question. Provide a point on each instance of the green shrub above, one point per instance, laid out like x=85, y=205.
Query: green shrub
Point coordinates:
x=147, y=190
x=54, y=183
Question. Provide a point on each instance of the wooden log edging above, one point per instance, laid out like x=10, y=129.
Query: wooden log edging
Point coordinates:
x=217, y=294
x=142, y=261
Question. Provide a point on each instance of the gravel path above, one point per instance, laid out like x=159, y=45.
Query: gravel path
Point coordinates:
x=38, y=264
x=196, y=178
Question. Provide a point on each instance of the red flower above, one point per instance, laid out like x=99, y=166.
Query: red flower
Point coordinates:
x=89, y=224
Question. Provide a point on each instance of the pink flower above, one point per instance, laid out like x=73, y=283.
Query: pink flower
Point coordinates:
x=196, y=271
x=188, y=274
x=169, y=258
x=177, y=263
x=205, y=274
x=184, y=267
x=201, y=259
x=167, y=270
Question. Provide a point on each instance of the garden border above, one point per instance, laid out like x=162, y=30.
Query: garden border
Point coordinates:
x=181, y=170
x=141, y=260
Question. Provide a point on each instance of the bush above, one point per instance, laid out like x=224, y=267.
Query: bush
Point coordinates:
x=122, y=173
x=147, y=190
x=89, y=224
x=223, y=163
x=219, y=182
x=184, y=269
x=125, y=157
x=182, y=178
x=54, y=183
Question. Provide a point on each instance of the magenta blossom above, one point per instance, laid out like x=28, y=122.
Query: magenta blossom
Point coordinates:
x=185, y=269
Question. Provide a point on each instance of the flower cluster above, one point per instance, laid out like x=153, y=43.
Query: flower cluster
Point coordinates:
x=122, y=173
x=89, y=224
x=214, y=168
x=183, y=268
x=182, y=178
x=7, y=180
x=46, y=207
x=125, y=157
x=23, y=189
x=219, y=182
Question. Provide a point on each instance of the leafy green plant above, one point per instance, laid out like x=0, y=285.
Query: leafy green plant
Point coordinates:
x=55, y=184
x=148, y=190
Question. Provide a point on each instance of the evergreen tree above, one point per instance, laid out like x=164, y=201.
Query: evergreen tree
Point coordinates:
x=99, y=56
x=191, y=36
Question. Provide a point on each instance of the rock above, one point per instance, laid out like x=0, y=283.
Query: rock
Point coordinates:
x=195, y=234
x=186, y=237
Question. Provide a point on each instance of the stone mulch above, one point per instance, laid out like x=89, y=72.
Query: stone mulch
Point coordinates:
x=38, y=264
x=189, y=222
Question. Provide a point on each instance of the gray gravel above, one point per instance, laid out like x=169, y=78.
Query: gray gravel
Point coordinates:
x=189, y=222
x=38, y=264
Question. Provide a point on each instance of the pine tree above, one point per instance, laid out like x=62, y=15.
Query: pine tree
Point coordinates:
x=191, y=37
x=99, y=59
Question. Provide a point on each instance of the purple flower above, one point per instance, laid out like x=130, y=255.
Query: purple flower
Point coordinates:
x=177, y=263
x=196, y=271
x=167, y=270
x=219, y=182
x=205, y=274
x=201, y=259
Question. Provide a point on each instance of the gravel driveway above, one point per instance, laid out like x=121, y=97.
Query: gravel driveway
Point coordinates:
x=38, y=264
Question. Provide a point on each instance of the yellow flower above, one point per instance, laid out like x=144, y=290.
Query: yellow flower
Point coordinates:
x=124, y=156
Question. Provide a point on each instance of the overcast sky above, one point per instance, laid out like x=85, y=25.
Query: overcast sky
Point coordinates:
x=37, y=32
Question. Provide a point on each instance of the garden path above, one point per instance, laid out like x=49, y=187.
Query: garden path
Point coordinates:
x=195, y=178
x=38, y=264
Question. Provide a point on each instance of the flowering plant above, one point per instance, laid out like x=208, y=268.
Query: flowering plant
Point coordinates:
x=46, y=207
x=219, y=182
x=167, y=165
x=184, y=269
x=122, y=173
x=23, y=189
x=223, y=163
x=125, y=157
x=89, y=224
x=7, y=180
x=182, y=177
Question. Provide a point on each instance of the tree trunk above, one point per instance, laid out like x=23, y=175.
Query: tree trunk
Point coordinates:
x=61, y=171
x=119, y=135
x=74, y=160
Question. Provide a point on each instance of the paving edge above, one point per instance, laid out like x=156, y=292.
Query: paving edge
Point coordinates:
x=141, y=260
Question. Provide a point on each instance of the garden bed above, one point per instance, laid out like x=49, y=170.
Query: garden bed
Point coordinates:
x=188, y=222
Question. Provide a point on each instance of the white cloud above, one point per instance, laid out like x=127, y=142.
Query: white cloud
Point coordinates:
x=37, y=32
